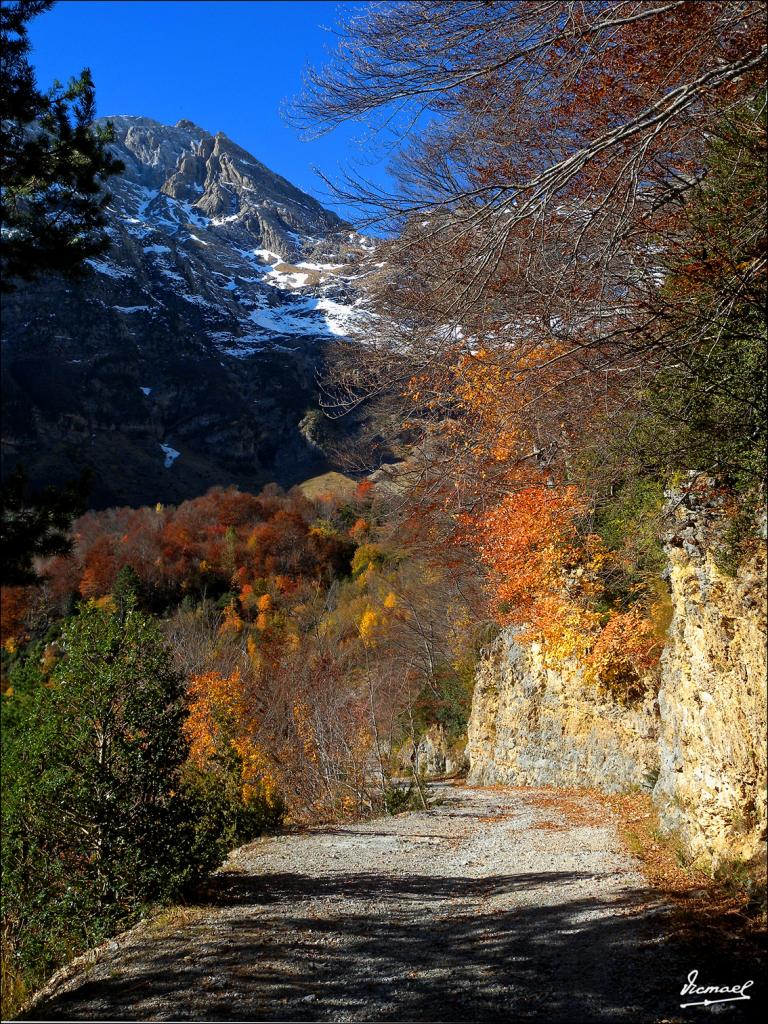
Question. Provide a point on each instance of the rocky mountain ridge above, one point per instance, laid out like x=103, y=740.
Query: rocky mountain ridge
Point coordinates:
x=189, y=355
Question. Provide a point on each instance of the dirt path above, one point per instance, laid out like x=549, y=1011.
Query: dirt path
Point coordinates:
x=496, y=905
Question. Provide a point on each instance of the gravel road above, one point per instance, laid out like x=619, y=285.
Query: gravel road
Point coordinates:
x=495, y=905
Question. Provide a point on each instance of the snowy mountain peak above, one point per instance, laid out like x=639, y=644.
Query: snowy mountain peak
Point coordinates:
x=197, y=219
x=190, y=355
x=222, y=182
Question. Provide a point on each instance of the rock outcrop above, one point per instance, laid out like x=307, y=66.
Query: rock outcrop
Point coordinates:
x=699, y=740
x=436, y=756
x=712, y=744
x=534, y=725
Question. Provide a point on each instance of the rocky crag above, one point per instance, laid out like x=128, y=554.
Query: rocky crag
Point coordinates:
x=534, y=724
x=697, y=737
x=189, y=355
x=712, y=699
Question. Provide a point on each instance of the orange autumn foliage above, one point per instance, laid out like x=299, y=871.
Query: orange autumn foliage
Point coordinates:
x=224, y=540
x=14, y=607
x=627, y=647
x=364, y=490
x=493, y=389
x=545, y=575
x=231, y=621
x=525, y=541
x=359, y=528
x=220, y=719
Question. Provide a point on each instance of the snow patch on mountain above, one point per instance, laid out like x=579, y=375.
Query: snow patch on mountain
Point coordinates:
x=109, y=269
x=170, y=455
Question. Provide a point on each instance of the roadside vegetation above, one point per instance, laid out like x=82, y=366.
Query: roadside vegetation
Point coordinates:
x=188, y=677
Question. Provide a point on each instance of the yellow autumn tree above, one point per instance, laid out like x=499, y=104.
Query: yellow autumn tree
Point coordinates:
x=220, y=723
x=367, y=627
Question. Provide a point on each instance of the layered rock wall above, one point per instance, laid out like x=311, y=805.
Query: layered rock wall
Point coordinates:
x=537, y=725
x=701, y=738
x=712, y=699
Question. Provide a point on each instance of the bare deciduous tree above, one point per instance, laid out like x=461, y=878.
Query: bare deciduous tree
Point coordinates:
x=545, y=156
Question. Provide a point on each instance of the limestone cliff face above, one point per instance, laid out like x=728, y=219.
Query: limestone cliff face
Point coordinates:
x=712, y=699
x=702, y=738
x=536, y=725
x=436, y=754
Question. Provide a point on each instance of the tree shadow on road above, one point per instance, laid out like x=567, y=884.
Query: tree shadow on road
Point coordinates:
x=423, y=948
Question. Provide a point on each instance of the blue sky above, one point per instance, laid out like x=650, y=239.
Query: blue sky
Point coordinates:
x=227, y=66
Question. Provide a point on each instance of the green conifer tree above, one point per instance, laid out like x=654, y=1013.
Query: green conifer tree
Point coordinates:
x=97, y=819
x=53, y=162
x=35, y=525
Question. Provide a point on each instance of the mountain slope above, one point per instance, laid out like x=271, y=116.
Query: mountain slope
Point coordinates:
x=189, y=355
